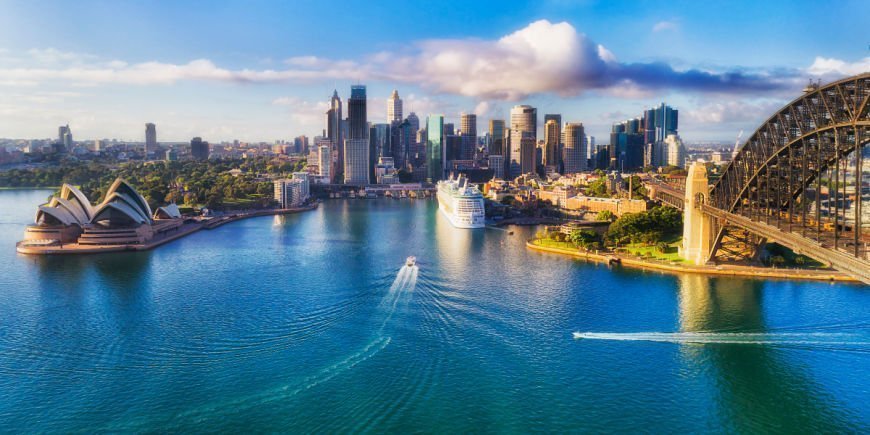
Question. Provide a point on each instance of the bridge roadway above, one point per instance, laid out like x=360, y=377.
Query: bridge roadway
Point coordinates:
x=842, y=261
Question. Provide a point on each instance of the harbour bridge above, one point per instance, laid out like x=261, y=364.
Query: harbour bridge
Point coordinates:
x=797, y=181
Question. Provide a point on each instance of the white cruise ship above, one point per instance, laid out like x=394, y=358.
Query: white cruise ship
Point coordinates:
x=461, y=203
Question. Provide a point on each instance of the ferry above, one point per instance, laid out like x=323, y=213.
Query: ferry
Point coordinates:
x=411, y=261
x=461, y=203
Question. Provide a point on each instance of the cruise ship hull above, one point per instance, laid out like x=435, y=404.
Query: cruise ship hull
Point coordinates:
x=457, y=222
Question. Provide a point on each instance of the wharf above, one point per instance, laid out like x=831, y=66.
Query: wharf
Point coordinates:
x=159, y=239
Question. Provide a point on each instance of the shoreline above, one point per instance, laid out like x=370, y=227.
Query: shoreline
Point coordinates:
x=183, y=230
x=732, y=271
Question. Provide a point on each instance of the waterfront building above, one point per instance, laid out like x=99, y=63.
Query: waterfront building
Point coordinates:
x=356, y=161
x=150, y=138
x=380, y=136
x=291, y=192
x=324, y=158
x=333, y=128
x=357, y=147
x=123, y=217
x=394, y=108
x=306, y=186
x=198, y=149
x=435, y=152
x=573, y=156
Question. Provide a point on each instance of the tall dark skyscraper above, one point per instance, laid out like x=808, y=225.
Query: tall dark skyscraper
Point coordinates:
x=356, y=113
x=357, y=147
x=150, y=138
x=64, y=138
x=198, y=149
x=658, y=123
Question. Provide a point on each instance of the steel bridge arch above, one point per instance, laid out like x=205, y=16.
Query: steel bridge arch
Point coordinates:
x=793, y=148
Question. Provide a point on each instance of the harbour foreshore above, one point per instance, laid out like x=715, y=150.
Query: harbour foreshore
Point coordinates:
x=721, y=270
x=184, y=230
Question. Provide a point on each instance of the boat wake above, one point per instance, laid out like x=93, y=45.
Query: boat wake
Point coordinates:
x=759, y=338
x=405, y=282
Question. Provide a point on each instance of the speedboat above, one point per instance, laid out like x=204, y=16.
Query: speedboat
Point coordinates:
x=411, y=261
x=578, y=336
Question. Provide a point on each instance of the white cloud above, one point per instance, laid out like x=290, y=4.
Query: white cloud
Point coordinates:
x=481, y=109
x=665, y=25
x=825, y=66
x=541, y=58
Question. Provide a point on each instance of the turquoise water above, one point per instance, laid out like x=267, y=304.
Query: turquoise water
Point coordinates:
x=311, y=322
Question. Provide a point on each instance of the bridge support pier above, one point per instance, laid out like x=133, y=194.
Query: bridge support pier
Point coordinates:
x=697, y=225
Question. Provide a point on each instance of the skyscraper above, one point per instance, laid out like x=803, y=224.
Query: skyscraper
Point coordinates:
x=496, y=132
x=468, y=132
x=198, y=149
x=435, y=148
x=525, y=118
x=553, y=134
x=523, y=129
x=64, y=137
x=335, y=136
x=380, y=146
x=468, y=124
x=394, y=108
x=574, y=152
x=150, y=138
x=357, y=146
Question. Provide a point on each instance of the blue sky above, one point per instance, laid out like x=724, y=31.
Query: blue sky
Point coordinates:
x=263, y=70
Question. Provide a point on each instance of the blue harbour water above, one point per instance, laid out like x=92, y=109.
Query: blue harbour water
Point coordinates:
x=312, y=323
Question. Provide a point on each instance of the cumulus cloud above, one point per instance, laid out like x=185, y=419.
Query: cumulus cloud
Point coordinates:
x=825, y=66
x=541, y=58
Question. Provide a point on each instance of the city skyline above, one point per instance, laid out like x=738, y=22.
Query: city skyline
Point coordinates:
x=258, y=84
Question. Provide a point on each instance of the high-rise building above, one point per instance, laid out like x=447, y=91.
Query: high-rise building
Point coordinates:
x=553, y=134
x=65, y=137
x=449, y=129
x=435, y=148
x=334, y=134
x=522, y=155
x=468, y=132
x=555, y=117
x=394, y=108
x=357, y=149
x=525, y=118
x=379, y=136
x=198, y=149
x=574, y=152
x=658, y=124
x=150, y=138
x=324, y=158
x=676, y=151
x=496, y=132
x=291, y=192
x=468, y=124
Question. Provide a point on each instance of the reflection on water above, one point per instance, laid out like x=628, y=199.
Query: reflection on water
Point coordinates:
x=291, y=310
x=783, y=395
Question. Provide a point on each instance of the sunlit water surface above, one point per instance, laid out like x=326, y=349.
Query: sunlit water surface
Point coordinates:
x=311, y=322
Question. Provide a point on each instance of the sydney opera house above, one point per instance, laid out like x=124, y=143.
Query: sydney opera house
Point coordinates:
x=123, y=218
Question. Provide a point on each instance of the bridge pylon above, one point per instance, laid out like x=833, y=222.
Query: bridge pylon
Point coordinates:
x=697, y=226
